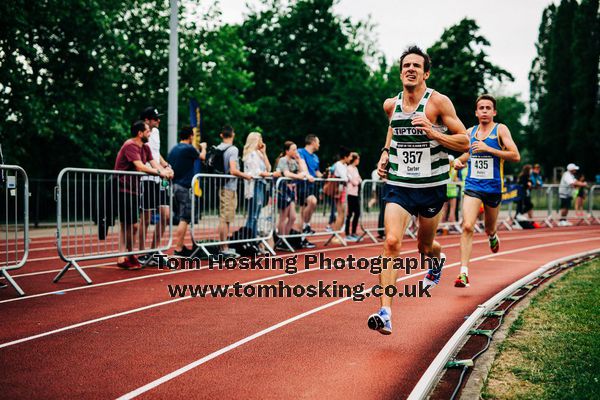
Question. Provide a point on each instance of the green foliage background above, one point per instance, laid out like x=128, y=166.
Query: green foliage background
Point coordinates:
x=75, y=74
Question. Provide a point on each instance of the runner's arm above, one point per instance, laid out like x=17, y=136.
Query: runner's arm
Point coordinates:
x=510, y=154
x=457, y=139
x=388, y=107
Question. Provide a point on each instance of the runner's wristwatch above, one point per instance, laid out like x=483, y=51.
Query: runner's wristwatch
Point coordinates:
x=386, y=149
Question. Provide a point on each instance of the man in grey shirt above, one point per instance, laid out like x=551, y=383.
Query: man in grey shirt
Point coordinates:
x=568, y=182
x=228, y=193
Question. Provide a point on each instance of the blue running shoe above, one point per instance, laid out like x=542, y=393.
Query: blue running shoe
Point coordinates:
x=381, y=322
x=433, y=275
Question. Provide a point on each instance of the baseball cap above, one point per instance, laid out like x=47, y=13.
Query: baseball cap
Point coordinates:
x=150, y=113
x=572, y=167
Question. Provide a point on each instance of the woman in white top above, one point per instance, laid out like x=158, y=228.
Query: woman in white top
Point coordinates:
x=256, y=163
x=340, y=170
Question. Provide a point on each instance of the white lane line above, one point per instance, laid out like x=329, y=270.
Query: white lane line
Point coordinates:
x=126, y=280
x=268, y=278
x=284, y=255
x=213, y=355
x=94, y=285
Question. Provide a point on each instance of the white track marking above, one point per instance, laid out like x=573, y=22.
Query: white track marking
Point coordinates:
x=269, y=278
x=126, y=280
x=61, y=291
x=215, y=354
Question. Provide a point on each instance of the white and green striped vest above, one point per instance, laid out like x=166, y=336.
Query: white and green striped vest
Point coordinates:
x=415, y=160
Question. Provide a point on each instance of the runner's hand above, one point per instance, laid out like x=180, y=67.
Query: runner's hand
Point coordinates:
x=479, y=147
x=458, y=164
x=421, y=122
x=382, y=165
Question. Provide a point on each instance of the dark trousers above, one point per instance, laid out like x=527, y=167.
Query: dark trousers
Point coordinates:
x=353, y=212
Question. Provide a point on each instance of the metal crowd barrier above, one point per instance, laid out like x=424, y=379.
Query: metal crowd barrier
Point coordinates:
x=372, y=211
x=329, y=203
x=98, y=216
x=594, y=204
x=14, y=192
x=228, y=212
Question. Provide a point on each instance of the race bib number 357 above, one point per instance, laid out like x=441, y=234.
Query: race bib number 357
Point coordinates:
x=482, y=168
x=414, y=160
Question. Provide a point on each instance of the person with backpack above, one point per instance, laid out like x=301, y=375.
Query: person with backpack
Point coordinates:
x=226, y=156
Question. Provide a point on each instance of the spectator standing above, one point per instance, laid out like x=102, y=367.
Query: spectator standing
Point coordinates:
x=354, y=181
x=449, y=209
x=340, y=170
x=307, y=190
x=289, y=166
x=182, y=158
x=256, y=163
x=133, y=156
x=524, y=205
x=581, y=193
x=228, y=193
x=537, y=180
x=568, y=183
x=154, y=195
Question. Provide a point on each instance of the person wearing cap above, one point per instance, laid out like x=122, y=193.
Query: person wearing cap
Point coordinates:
x=153, y=195
x=568, y=182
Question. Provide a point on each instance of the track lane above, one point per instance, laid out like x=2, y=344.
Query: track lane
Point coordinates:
x=186, y=318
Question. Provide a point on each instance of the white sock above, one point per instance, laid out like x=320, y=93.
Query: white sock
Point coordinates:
x=492, y=236
x=388, y=310
x=464, y=270
x=304, y=225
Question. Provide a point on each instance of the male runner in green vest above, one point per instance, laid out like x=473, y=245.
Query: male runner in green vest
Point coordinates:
x=414, y=161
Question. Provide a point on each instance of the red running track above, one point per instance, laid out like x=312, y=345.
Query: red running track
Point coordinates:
x=125, y=335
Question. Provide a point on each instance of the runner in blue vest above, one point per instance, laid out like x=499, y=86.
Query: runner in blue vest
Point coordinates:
x=414, y=161
x=491, y=145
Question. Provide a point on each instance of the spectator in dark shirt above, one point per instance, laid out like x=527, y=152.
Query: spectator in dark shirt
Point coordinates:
x=525, y=206
x=182, y=158
x=133, y=156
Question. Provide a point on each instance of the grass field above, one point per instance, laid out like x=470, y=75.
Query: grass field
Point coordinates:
x=553, y=348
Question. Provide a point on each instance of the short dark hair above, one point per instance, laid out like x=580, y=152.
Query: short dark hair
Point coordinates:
x=310, y=138
x=417, y=50
x=185, y=133
x=344, y=152
x=227, y=131
x=136, y=127
x=486, y=97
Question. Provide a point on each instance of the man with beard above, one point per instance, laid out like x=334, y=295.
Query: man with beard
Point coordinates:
x=133, y=156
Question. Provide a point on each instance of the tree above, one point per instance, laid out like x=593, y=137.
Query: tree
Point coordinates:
x=585, y=54
x=510, y=113
x=564, y=86
x=73, y=77
x=311, y=77
x=461, y=69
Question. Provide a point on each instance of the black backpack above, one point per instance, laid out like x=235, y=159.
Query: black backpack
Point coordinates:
x=214, y=163
x=244, y=249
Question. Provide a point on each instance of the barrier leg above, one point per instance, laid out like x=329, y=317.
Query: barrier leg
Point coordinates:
x=12, y=282
x=78, y=268
x=268, y=247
